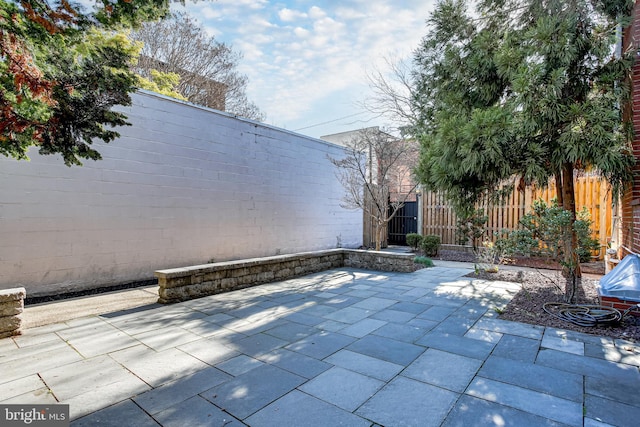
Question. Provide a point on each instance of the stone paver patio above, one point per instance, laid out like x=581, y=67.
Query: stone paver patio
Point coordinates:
x=343, y=347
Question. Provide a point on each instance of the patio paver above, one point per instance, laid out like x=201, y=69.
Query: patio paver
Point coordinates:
x=251, y=391
x=342, y=347
x=533, y=402
x=611, y=412
x=534, y=377
x=196, y=412
x=300, y=409
x=408, y=402
x=454, y=372
x=517, y=348
x=172, y=393
x=343, y=388
x=121, y=414
x=387, y=349
x=472, y=411
x=457, y=344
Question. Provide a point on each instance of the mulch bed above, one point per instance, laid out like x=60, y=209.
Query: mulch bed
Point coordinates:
x=547, y=285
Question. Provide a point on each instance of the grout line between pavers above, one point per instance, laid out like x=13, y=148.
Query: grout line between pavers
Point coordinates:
x=49, y=390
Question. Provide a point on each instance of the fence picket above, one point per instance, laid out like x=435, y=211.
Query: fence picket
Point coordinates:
x=592, y=192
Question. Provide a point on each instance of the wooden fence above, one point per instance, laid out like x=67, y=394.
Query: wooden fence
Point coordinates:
x=592, y=192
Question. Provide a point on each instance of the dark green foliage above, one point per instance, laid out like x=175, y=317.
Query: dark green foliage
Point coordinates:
x=520, y=92
x=99, y=81
x=471, y=226
x=128, y=13
x=526, y=89
x=587, y=245
x=414, y=240
x=430, y=245
x=427, y=262
x=62, y=71
x=543, y=230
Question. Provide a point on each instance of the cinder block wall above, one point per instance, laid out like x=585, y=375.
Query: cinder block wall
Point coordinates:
x=182, y=186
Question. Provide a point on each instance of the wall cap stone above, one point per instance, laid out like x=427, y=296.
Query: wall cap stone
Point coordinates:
x=242, y=263
x=12, y=294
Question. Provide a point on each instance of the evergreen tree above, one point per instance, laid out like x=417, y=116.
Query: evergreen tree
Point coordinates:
x=523, y=91
x=62, y=69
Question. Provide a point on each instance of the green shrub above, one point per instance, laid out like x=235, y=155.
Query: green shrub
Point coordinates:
x=470, y=226
x=414, y=240
x=427, y=262
x=586, y=243
x=430, y=245
x=542, y=233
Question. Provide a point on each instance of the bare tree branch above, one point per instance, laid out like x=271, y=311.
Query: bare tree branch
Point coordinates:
x=376, y=173
x=208, y=69
x=392, y=91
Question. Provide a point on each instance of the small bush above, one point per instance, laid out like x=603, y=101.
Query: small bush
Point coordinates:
x=586, y=243
x=471, y=226
x=541, y=233
x=430, y=245
x=414, y=240
x=423, y=260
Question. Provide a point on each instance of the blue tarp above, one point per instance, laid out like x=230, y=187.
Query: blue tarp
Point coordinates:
x=623, y=281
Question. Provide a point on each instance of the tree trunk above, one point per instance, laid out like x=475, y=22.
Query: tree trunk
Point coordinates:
x=379, y=230
x=571, y=263
x=559, y=188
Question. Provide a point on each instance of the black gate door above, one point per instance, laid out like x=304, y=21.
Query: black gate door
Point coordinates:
x=405, y=222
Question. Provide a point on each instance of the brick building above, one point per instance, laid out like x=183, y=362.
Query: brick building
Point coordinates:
x=629, y=211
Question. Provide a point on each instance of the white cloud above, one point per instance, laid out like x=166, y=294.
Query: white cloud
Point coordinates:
x=347, y=13
x=329, y=26
x=209, y=12
x=250, y=4
x=301, y=32
x=298, y=60
x=316, y=13
x=250, y=51
x=289, y=15
x=255, y=25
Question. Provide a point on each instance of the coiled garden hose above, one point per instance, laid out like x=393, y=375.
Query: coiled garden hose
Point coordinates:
x=586, y=315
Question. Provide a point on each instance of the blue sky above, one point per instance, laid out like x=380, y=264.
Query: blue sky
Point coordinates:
x=307, y=60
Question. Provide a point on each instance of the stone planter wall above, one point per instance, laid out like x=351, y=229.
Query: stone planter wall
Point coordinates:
x=380, y=261
x=181, y=284
x=11, y=308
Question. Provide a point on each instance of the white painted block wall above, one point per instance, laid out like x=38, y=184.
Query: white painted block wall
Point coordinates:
x=182, y=186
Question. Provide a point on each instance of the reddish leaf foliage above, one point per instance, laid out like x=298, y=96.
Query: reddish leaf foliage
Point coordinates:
x=28, y=79
x=53, y=20
x=21, y=66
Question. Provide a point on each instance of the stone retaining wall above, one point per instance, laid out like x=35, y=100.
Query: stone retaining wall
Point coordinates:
x=380, y=261
x=181, y=284
x=11, y=308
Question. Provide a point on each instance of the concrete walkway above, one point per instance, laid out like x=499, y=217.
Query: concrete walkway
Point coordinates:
x=343, y=347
